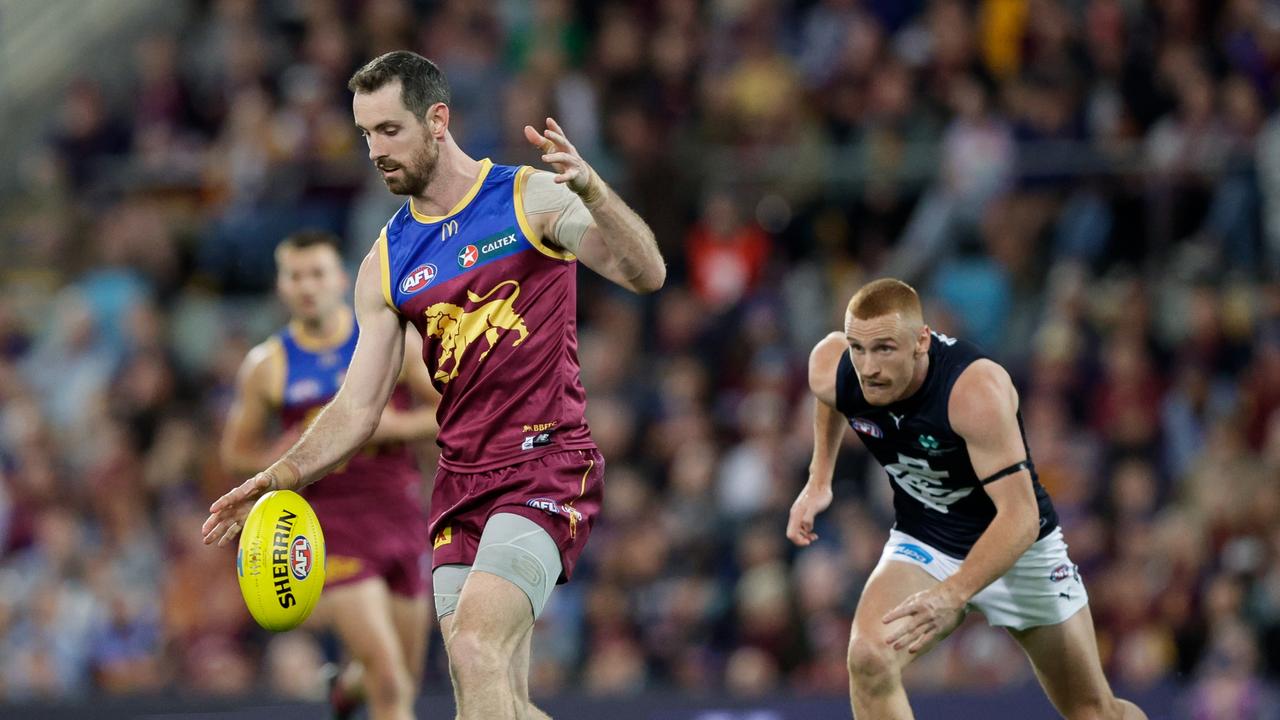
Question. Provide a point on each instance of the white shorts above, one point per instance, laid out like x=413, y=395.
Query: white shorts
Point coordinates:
x=1042, y=588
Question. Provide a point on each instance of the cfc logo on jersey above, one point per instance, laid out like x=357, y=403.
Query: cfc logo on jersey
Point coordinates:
x=925, y=484
x=418, y=279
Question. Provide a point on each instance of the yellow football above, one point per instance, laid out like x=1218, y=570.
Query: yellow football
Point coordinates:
x=280, y=561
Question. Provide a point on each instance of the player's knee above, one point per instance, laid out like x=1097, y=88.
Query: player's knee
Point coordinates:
x=387, y=683
x=872, y=663
x=475, y=654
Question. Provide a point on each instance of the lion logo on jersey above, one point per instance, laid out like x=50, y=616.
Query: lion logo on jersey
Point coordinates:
x=458, y=328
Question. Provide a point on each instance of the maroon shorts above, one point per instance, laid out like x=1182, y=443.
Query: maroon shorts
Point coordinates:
x=561, y=492
x=389, y=541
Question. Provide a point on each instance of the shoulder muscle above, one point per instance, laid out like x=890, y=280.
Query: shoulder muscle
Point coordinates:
x=261, y=375
x=983, y=405
x=823, y=361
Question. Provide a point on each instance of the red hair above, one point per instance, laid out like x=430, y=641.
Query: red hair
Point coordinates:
x=886, y=296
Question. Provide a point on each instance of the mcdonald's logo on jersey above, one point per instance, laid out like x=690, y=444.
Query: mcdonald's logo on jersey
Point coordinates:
x=448, y=230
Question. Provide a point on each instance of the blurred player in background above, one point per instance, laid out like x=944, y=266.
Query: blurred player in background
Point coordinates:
x=482, y=260
x=371, y=510
x=973, y=526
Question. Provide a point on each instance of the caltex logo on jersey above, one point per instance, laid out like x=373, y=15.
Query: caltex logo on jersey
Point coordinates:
x=418, y=279
x=468, y=256
x=300, y=557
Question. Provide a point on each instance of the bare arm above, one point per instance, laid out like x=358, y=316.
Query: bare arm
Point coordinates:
x=346, y=422
x=828, y=423
x=419, y=422
x=983, y=410
x=611, y=239
x=242, y=449
x=828, y=429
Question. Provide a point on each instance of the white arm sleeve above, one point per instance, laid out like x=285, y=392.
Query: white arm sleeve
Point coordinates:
x=542, y=194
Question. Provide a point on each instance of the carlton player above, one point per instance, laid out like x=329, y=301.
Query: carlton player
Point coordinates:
x=482, y=261
x=370, y=508
x=973, y=526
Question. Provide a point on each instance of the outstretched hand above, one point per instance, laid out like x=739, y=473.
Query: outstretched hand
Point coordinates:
x=227, y=514
x=932, y=614
x=558, y=152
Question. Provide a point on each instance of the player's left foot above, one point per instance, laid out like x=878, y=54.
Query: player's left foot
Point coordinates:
x=342, y=699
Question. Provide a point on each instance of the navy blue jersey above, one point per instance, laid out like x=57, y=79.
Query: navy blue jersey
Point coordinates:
x=937, y=497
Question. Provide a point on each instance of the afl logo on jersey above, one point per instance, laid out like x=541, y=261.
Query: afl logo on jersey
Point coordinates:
x=468, y=256
x=303, y=390
x=866, y=427
x=300, y=557
x=418, y=279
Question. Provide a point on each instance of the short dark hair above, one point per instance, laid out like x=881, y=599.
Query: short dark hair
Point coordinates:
x=422, y=84
x=310, y=238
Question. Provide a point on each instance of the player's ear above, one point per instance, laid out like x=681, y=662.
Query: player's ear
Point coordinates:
x=923, y=339
x=437, y=120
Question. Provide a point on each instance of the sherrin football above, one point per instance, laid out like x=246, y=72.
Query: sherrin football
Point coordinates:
x=280, y=561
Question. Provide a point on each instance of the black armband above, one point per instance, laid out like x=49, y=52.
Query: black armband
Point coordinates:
x=1024, y=465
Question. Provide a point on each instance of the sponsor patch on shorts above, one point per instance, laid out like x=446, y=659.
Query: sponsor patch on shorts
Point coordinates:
x=1062, y=572
x=915, y=552
x=551, y=507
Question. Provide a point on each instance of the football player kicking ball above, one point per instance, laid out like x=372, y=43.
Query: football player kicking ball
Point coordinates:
x=482, y=261
x=973, y=526
x=371, y=509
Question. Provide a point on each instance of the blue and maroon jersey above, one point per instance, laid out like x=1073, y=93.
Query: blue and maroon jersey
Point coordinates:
x=379, y=473
x=496, y=306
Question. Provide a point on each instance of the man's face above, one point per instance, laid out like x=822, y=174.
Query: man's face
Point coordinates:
x=311, y=281
x=884, y=351
x=400, y=146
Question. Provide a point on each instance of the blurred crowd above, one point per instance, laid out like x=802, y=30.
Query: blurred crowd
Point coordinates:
x=1090, y=189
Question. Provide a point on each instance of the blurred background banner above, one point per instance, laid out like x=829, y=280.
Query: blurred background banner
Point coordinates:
x=1028, y=701
x=1089, y=189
